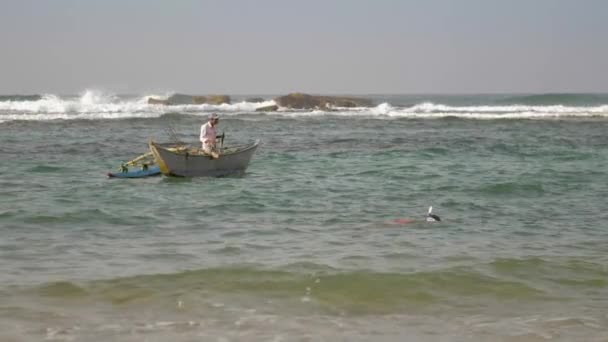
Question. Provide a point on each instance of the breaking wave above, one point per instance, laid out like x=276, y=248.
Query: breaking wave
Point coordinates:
x=357, y=291
x=97, y=105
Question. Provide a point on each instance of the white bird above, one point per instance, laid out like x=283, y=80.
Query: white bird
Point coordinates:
x=430, y=217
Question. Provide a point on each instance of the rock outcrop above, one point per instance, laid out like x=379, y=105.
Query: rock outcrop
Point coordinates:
x=182, y=99
x=306, y=101
x=211, y=99
x=293, y=100
x=152, y=100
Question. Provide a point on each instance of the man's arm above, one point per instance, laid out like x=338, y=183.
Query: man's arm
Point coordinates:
x=203, y=133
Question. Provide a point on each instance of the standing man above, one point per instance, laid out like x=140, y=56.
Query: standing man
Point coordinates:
x=208, y=136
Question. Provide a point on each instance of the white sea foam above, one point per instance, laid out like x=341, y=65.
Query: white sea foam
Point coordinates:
x=382, y=109
x=429, y=107
x=98, y=105
x=431, y=110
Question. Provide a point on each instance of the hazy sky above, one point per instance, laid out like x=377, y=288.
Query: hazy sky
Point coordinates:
x=317, y=46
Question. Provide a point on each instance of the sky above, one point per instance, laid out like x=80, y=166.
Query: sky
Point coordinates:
x=313, y=46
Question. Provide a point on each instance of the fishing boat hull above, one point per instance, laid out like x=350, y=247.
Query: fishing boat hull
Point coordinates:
x=188, y=163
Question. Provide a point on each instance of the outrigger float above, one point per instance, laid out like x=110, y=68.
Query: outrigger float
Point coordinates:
x=140, y=167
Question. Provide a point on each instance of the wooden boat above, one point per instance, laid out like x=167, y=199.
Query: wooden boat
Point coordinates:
x=140, y=167
x=193, y=162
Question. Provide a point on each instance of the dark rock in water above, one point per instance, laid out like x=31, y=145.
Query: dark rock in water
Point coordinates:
x=255, y=100
x=211, y=99
x=306, y=101
x=218, y=99
x=152, y=100
x=182, y=99
x=272, y=108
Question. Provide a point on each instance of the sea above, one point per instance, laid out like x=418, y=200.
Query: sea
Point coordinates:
x=324, y=237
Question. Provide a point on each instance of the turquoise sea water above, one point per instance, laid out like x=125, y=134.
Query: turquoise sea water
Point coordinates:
x=304, y=245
